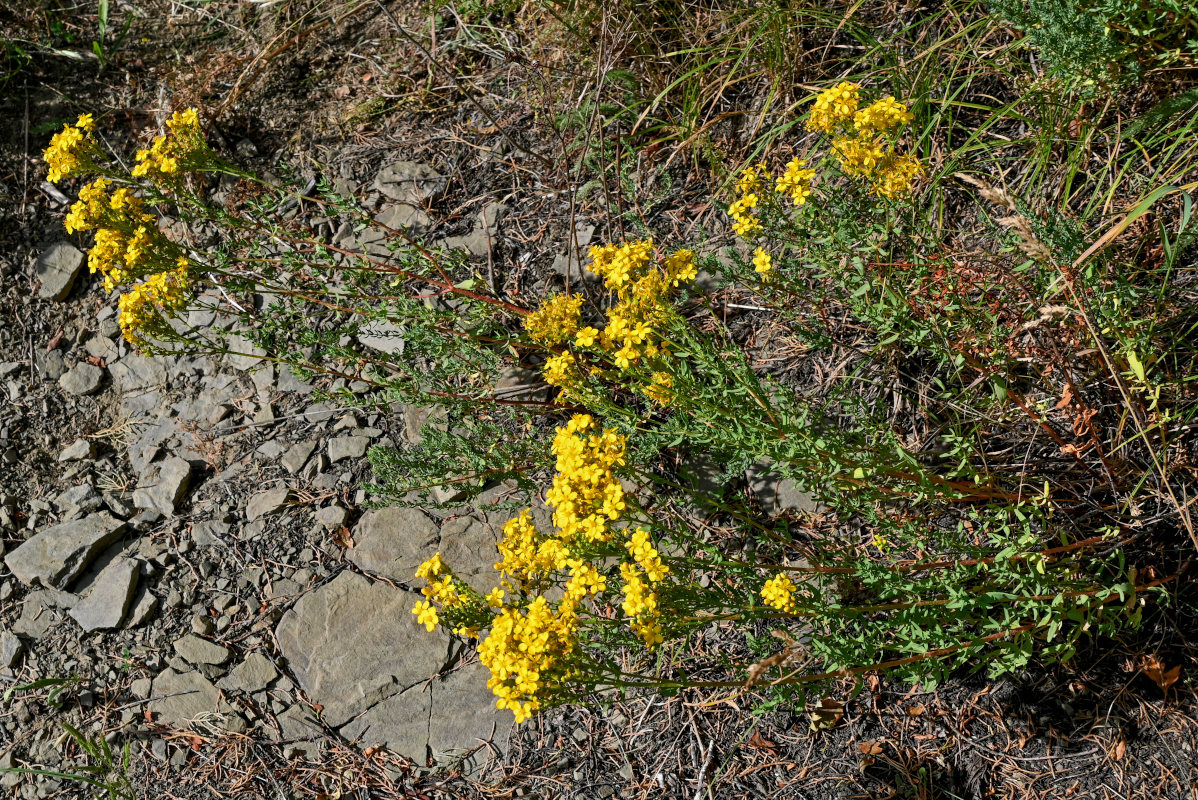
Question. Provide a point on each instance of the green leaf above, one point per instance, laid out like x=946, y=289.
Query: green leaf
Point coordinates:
x=1136, y=366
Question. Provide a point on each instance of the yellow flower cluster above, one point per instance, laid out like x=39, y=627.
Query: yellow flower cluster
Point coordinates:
x=778, y=593
x=863, y=140
x=630, y=333
x=527, y=555
x=181, y=148
x=882, y=116
x=749, y=187
x=659, y=389
x=835, y=107
x=531, y=645
x=528, y=653
x=461, y=606
x=586, y=495
x=795, y=181
x=556, y=320
x=72, y=150
x=140, y=308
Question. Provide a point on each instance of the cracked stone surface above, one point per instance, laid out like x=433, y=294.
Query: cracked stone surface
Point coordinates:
x=393, y=542
x=353, y=642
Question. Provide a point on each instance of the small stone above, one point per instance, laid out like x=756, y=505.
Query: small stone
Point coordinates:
x=57, y=269
x=332, y=517
x=201, y=624
x=80, y=450
x=195, y=650
x=104, y=607
x=409, y=181
x=347, y=447
x=267, y=502
x=140, y=688
x=82, y=379
x=145, y=605
x=252, y=675
x=10, y=649
x=296, y=456
x=162, y=489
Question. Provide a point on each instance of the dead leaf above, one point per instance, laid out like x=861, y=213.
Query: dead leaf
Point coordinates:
x=869, y=749
x=1164, y=678
x=916, y=711
x=55, y=341
x=1120, y=750
x=826, y=714
x=341, y=92
x=759, y=742
x=1066, y=398
x=96, y=361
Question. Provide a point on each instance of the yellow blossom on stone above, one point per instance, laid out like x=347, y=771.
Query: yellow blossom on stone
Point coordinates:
x=426, y=614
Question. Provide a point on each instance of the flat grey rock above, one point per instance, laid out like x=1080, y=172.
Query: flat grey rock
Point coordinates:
x=56, y=555
x=470, y=549
x=400, y=724
x=776, y=493
x=332, y=517
x=57, y=269
x=267, y=502
x=481, y=240
x=10, y=649
x=195, y=650
x=382, y=335
x=467, y=719
x=164, y=486
x=344, y=447
x=79, y=450
x=401, y=217
x=393, y=542
x=352, y=643
x=296, y=456
x=189, y=700
x=137, y=373
x=409, y=181
x=104, y=607
x=82, y=379
x=252, y=675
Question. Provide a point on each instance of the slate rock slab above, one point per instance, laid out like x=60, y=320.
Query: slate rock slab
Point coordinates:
x=267, y=502
x=470, y=549
x=187, y=699
x=56, y=555
x=466, y=718
x=352, y=643
x=163, y=486
x=393, y=542
x=105, y=606
x=57, y=269
x=10, y=649
x=400, y=724
x=195, y=650
x=252, y=675
x=136, y=372
x=777, y=493
x=409, y=181
x=344, y=447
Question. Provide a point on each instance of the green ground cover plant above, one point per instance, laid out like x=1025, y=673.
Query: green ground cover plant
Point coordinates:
x=1006, y=426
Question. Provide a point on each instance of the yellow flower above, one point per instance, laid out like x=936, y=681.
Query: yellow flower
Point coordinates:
x=86, y=122
x=762, y=262
x=426, y=615
x=556, y=320
x=859, y=157
x=795, y=181
x=896, y=177
x=778, y=593
x=834, y=107
x=882, y=116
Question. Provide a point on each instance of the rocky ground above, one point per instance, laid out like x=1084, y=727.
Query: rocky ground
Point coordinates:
x=197, y=559
x=191, y=566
